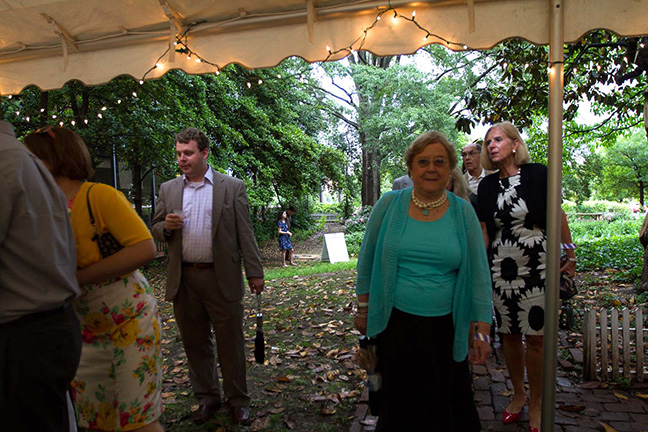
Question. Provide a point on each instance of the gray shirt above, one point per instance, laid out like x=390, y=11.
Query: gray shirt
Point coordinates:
x=37, y=252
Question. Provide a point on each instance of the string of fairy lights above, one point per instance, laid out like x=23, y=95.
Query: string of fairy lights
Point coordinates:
x=182, y=47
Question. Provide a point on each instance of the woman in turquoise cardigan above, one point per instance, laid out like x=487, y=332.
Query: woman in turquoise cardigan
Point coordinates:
x=423, y=277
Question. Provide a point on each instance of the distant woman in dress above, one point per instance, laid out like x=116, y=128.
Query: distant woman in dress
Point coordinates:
x=513, y=214
x=285, y=246
x=119, y=381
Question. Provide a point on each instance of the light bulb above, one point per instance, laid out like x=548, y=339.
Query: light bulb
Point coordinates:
x=99, y=115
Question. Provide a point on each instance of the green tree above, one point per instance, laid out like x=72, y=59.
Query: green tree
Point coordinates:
x=625, y=168
x=387, y=106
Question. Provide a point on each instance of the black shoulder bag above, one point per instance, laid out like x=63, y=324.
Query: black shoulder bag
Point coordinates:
x=108, y=244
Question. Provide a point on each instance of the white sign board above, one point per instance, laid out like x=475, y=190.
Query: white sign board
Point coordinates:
x=334, y=248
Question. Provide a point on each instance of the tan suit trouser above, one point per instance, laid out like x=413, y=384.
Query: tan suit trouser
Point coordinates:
x=199, y=306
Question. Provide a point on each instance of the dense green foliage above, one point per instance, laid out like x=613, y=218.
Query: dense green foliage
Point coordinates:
x=260, y=125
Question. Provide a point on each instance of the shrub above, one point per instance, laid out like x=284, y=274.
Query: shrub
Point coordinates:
x=357, y=222
x=619, y=252
x=587, y=229
x=353, y=242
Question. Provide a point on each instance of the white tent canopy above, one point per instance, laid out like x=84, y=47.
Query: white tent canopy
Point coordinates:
x=50, y=42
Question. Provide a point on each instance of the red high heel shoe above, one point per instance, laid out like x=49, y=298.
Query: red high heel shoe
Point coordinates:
x=532, y=429
x=508, y=418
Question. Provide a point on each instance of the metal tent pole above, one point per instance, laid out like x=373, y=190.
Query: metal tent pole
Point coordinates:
x=549, y=364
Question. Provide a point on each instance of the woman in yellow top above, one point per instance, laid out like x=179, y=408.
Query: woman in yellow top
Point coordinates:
x=118, y=383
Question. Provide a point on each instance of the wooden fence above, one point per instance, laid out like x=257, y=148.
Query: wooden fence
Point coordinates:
x=614, y=348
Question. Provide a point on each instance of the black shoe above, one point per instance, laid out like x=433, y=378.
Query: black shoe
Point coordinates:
x=239, y=414
x=204, y=413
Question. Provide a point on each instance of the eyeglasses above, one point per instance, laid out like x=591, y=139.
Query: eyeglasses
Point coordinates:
x=49, y=130
x=470, y=153
x=438, y=162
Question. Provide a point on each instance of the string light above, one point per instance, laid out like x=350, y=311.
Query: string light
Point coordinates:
x=85, y=121
x=118, y=101
x=61, y=124
x=99, y=115
x=103, y=108
x=260, y=81
x=413, y=14
x=249, y=84
x=134, y=94
x=53, y=116
x=73, y=123
x=27, y=118
x=141, y=82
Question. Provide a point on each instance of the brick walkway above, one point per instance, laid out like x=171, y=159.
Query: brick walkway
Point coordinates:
x=582, y=407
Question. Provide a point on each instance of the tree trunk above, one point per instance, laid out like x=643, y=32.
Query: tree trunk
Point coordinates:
x=370, y=173
x=137, y=188
x=642, y=187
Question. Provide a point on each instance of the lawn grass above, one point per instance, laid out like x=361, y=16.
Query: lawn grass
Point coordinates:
x=309, y=268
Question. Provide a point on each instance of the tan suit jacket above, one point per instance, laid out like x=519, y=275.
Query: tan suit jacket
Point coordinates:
x=233, y=237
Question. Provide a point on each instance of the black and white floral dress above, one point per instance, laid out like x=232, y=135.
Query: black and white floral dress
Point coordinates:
x=518, y=263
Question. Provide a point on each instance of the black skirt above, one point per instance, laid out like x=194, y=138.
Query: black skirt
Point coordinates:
x=424, y=389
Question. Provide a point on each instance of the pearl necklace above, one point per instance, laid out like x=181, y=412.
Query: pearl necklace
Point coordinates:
x=426, y=207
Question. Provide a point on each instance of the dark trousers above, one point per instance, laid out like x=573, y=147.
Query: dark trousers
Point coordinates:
x=198, y=307
x=424, y=389
x=39, y=356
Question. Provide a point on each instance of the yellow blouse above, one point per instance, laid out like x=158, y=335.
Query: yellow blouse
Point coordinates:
x=112, y=212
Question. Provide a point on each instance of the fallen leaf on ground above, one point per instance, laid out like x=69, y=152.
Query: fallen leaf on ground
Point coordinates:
x=328, y=408
x=642, y=395
x=607, y=427
x=620, y=396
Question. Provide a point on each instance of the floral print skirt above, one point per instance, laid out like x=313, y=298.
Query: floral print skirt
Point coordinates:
x=119, y=381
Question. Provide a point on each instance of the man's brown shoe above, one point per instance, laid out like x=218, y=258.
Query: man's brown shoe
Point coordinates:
x=239, y=414
x=204, y=413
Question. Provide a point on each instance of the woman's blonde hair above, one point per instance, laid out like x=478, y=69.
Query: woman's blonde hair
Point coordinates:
x=522, y=153
x=63, y=150
x=459, y=186
x=424, y=140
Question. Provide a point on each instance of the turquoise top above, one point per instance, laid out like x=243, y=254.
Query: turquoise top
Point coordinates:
x=427, y=268
x=378, y=266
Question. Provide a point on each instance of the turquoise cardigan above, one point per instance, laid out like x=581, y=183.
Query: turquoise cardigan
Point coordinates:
x=378, y=260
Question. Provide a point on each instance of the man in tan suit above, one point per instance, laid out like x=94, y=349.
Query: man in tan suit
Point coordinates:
x=204, y=217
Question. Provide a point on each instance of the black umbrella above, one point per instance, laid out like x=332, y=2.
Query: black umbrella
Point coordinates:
x=259, y=342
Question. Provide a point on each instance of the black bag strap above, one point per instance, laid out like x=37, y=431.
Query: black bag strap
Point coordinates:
x=92, y=219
